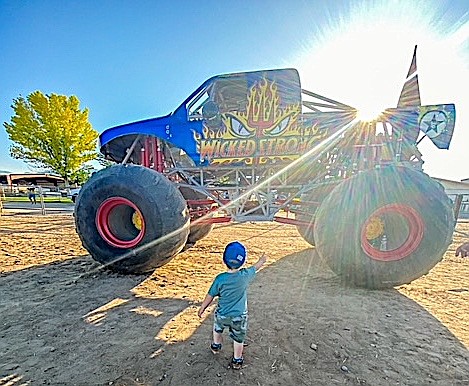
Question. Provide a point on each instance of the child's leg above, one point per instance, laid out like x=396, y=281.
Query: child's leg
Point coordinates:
x=238, y=330
x=237, y=350
x=217, y=337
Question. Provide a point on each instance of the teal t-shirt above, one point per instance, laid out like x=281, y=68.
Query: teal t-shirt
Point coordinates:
x=231, y=290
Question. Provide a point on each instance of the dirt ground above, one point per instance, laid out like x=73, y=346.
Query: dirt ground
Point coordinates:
x=66, y=321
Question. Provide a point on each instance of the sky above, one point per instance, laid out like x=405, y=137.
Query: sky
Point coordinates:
x=131, y=60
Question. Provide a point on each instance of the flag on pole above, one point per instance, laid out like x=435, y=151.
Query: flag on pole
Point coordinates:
x=410, y=94
x=437, y=123
x=413, y=65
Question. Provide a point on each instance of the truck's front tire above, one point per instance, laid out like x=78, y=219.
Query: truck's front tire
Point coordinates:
x=131, y=218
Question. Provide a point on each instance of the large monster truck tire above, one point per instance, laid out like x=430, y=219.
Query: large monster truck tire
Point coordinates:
x=198, y=230
x=311, y=202
x=306, y=231
x=131, y=218
x=384, y=227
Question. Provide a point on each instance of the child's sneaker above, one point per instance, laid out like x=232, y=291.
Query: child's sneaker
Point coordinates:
x=237, y=363
x=215, y=347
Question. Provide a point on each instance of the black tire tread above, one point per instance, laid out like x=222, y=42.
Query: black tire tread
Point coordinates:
x=160, y=203
x=338, y=220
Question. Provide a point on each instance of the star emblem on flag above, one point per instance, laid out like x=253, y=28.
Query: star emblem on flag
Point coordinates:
x=433, y=123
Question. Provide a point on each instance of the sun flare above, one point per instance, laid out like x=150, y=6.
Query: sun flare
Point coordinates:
x=369, y=114
x=362, y=57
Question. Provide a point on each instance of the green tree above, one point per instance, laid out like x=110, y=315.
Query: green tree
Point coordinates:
x=103, y=162
x=82, y=175
x=50, y=131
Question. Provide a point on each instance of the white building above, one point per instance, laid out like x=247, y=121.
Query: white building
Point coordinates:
x=458, y=191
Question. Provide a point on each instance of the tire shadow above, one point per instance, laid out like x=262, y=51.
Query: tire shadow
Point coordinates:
x=70, y=322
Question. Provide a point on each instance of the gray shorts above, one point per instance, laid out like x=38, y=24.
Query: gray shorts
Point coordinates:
x=237, y=325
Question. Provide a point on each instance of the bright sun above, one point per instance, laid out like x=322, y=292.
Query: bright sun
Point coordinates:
x=368, y=114
x=362, y=58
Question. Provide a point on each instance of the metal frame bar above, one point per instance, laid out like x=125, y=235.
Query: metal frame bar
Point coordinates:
x=331, y=102
x=241, y=198
x=131, y=149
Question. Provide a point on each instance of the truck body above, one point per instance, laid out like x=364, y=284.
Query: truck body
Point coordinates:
x=255, y=146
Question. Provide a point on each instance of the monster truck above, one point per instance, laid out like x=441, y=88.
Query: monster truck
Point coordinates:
x=255, y=146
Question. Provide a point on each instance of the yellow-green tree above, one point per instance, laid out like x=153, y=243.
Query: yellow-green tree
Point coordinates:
x=52, y=132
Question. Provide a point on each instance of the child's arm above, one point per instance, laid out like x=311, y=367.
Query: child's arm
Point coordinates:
x=260, y=262
x=207, y=301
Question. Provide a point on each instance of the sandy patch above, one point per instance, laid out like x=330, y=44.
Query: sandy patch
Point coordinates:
x=66, y=321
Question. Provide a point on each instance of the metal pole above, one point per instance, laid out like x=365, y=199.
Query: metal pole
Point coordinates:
x=2, y=197
x=131, y=149
x=457, y=206
x=41, y=197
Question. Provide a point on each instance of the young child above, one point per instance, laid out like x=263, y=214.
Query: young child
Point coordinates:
x=232, y=310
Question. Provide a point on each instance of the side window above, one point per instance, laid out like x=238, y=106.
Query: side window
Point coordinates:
x=194, y=106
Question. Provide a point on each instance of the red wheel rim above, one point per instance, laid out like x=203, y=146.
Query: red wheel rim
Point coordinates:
x=114, y=222
x=414, y=237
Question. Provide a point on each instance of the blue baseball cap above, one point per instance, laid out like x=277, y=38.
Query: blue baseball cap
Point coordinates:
x=234, y=255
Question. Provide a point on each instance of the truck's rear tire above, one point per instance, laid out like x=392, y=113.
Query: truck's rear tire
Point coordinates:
x=384, y=227
x=131, y=218
x=310, y=202
x=198, y=230
x=306, y=231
